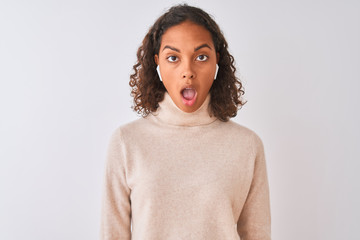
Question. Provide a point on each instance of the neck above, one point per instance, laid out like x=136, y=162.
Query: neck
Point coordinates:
x=171, y=114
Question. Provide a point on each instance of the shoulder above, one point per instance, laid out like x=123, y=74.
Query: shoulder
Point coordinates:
x=241, y=129
x=129, y=129
x=245, y=132
x=117, y=145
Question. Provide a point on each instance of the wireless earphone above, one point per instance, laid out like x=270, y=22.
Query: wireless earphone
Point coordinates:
x=216, y=71
x=158, y=71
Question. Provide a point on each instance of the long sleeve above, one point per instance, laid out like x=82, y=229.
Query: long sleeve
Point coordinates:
x=116, y=207
x=255, y=222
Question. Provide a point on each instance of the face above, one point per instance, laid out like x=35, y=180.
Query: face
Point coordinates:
x=187, y=61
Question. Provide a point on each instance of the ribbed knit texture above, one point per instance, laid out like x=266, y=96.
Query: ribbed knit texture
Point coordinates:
x=175, y=175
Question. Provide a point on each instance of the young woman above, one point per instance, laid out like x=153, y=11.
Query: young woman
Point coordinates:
x=184, y=170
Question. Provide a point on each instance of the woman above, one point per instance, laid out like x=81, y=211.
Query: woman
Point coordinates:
x=184, y=170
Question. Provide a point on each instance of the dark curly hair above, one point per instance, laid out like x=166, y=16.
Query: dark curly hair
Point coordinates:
x=148, y=90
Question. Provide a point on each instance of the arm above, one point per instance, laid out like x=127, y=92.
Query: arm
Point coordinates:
x=116, y=207
x=255, y=222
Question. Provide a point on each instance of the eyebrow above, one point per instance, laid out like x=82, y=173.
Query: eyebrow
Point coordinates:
x=202, y=46
x=172, y=48
x=195, y=49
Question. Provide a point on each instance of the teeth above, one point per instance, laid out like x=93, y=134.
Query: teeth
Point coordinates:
x=186, y=89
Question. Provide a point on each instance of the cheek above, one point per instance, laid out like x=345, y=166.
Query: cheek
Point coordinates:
x=170, y=85
x=209, y=84
x=207, y=75
x=208, y=79
x=168, y=79
x=169, y=72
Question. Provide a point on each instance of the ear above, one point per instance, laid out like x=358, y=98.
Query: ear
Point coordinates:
x=156, y=58
x=217, y=57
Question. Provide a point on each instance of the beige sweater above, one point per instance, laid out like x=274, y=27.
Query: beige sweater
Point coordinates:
x=181, y=176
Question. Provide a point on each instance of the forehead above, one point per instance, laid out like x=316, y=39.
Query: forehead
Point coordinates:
x=186, y=34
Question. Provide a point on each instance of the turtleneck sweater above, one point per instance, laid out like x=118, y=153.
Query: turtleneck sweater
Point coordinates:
x=174, y=175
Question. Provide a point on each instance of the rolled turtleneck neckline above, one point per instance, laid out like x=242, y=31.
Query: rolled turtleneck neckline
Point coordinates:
x=171, y=114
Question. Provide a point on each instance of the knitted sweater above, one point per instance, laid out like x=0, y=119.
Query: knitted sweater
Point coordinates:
x=175, y=175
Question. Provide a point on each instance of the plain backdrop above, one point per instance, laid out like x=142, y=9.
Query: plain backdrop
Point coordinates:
x=64, y=71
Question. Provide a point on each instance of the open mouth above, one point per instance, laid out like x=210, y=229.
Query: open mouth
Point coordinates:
x=188, y=95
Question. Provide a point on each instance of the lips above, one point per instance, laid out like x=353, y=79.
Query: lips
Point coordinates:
x=188, y=95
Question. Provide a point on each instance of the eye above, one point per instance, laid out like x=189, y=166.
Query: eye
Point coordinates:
x=172, y=58
x=202, y=58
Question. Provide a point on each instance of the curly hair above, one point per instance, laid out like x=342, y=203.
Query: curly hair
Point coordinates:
x=148, y=90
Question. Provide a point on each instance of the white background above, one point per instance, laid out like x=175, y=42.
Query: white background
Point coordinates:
x=64, y=71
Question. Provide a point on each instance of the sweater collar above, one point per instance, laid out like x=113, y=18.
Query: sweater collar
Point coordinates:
x=169, y=113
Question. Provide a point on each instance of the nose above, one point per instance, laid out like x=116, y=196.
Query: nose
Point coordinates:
x=188, y=75
x=188, y=72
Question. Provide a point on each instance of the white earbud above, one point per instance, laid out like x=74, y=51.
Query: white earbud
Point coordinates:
x=216, y=71
x=158, y=71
